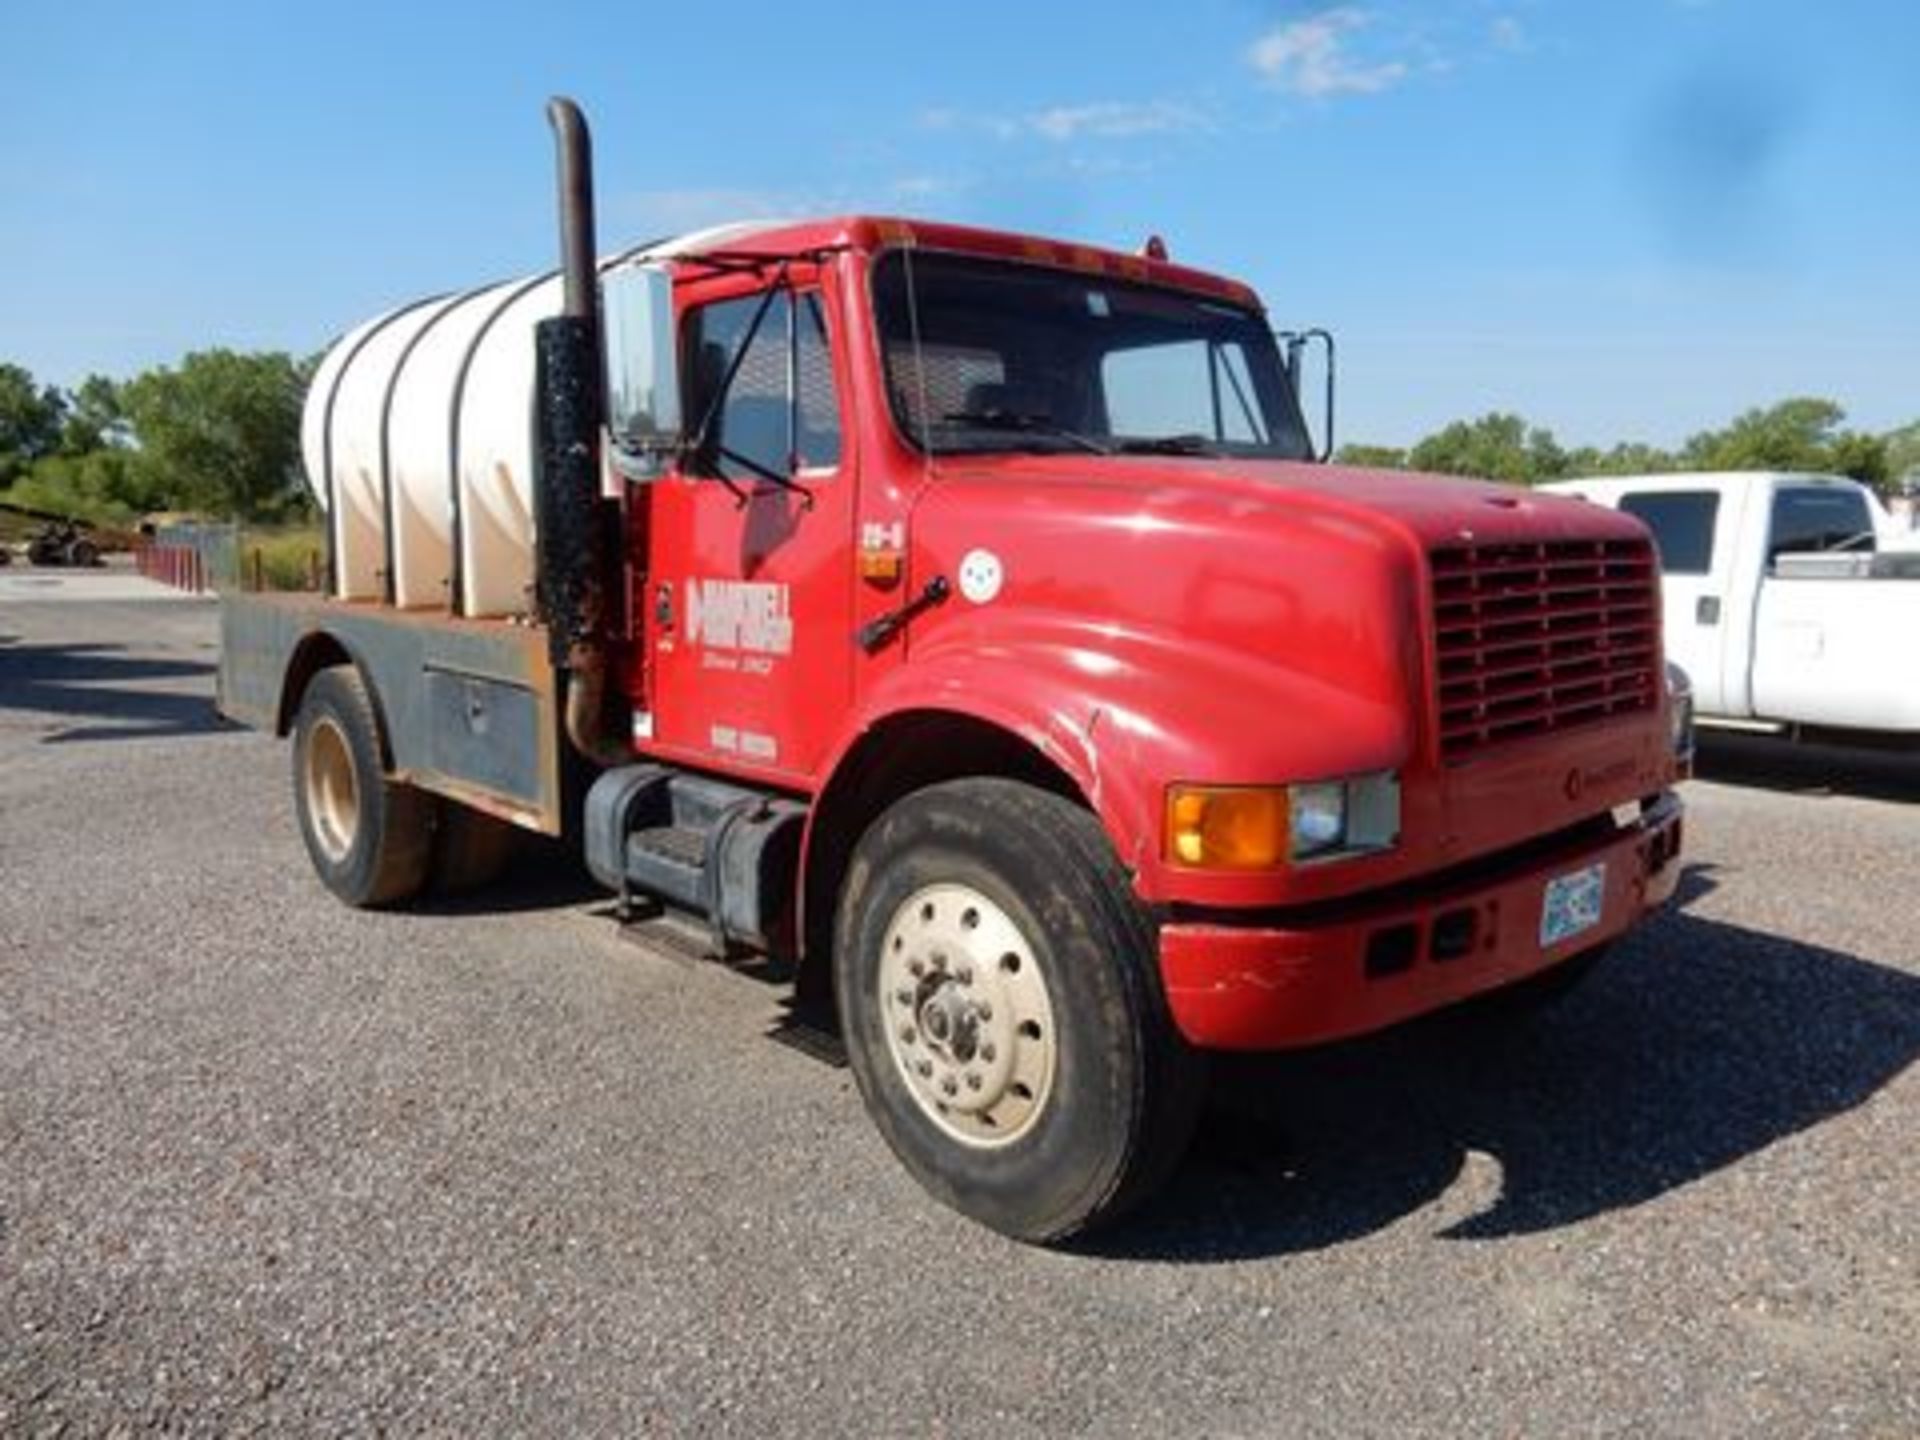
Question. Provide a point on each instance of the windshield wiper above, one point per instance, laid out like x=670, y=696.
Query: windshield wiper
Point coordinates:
x=1020, y=424
x=1186, y=444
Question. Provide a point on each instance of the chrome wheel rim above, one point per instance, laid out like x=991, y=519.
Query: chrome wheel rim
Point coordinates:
x=333, y=789
x=967, y=1016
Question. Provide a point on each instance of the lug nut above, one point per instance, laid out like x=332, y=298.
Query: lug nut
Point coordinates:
x=906, y=1033
x=925, y=1067
x=983, y=1010
x=903, y=995
x=916, y=968
x=947, y=1087
x=973, y=1082
x=964, y=975
x=987, y=1052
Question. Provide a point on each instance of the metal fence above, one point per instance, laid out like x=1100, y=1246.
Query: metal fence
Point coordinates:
x=211, y=558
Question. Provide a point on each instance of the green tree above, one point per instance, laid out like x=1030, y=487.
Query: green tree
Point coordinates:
x=1865, y=458
x=1903, y=452
x=1802, y=433
x=221, y=433
x=1626, y=458
x=1494, y=447
x=30, y=417
x=108, y=486
x=95, y=418
x=1375, y=457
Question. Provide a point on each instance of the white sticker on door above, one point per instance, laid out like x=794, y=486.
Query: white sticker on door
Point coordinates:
x=980, y=576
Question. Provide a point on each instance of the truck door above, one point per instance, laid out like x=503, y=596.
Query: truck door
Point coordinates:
x=749, y=591
x=1810, y=664
x=1695, y=540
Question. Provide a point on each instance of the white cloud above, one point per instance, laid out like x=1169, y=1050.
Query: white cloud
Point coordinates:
x=676, y=212
x=926, y=187
x=1113, y=120
x=1096, y=120
x=1507, y=34
x=1310, y=57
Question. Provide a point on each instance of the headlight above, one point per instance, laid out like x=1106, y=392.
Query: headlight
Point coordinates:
x=1679, y=711
x=1251, y=827
x=1319, y=818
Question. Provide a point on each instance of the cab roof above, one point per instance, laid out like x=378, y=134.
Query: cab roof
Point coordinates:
x=871, y=234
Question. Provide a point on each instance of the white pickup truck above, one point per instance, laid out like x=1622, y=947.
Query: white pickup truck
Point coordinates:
x=1792, y=601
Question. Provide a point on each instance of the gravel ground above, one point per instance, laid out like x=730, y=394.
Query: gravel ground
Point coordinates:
x=266, y=1163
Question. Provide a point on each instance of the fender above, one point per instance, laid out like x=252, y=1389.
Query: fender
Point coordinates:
x=1124, y=712
x=318, y=649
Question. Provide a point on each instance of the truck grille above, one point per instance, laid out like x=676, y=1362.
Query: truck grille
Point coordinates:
x=1541, y=637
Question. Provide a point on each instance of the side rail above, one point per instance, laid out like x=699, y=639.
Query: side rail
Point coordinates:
x=469, y=708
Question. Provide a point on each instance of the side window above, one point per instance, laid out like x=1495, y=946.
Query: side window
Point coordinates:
x=761, y=423
x=1191, y=387
x=819, y=411
x=1682, y=524
x=1826, y=518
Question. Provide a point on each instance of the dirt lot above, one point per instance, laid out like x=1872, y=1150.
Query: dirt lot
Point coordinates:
x=266, y=1163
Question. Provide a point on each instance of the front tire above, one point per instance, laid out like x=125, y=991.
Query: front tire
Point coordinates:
x=998, y=986
x=369, y=836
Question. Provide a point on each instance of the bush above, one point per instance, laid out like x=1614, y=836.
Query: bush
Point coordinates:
x=100, y=487
x=289, y=559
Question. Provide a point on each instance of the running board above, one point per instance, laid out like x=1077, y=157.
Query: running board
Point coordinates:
x=721, y=851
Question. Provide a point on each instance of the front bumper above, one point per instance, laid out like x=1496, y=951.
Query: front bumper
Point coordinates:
x=1372, y=964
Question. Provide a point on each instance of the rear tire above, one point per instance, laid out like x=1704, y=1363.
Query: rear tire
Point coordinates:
x=998, y=986
x=369, y=836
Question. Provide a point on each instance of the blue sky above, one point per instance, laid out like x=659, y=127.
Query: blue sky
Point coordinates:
x=1625, y=220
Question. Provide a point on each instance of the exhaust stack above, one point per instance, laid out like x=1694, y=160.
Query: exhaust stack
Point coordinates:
x=575, y=554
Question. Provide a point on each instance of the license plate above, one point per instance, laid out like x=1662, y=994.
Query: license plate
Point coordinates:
x=1574, y=904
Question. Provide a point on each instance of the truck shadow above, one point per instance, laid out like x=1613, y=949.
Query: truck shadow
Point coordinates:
x=1696, y=1045
x=541, y=874
x=1801, y=768
x=110, y=692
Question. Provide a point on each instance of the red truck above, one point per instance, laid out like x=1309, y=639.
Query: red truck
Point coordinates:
x=968, y=622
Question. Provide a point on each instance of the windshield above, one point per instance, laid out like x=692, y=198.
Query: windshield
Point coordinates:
x=1025, y=357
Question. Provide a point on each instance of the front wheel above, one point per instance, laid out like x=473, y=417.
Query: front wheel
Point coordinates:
x=999, y=989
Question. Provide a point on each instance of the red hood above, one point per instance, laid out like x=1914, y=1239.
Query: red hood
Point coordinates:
x=1237, y=622
x=1426, y=509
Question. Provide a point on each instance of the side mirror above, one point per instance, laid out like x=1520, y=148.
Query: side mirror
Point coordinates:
x=642, y=369
x=1299, y=348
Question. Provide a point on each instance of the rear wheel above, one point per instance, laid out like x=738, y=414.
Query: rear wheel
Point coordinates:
x=369, y=836
x=998, y=986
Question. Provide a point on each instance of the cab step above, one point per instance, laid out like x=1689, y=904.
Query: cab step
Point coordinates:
x=721, y=851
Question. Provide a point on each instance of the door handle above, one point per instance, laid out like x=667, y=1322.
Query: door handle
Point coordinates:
x=1706, y=610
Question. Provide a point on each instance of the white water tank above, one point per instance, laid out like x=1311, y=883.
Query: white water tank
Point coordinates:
x=418, y=440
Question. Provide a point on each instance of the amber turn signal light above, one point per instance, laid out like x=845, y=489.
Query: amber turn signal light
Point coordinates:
x=1235, y=827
